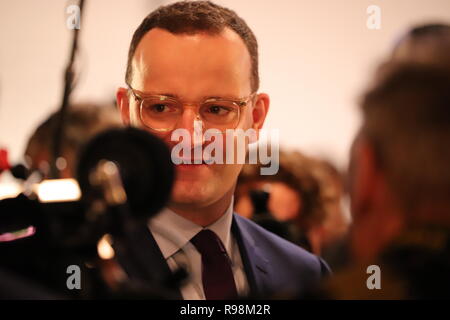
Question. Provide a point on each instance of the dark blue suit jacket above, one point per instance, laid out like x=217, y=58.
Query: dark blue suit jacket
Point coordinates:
x=272, y=265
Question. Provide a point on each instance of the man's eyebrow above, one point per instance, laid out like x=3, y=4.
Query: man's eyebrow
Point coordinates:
x=169, y=95
x=172, y=95
x=202, y=98
x=146, y=94
x=214, y=97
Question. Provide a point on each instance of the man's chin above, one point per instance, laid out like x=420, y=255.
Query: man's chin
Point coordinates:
x=191, y=192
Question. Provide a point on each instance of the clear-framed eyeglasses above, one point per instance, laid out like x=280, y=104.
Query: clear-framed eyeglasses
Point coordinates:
x=161, y=113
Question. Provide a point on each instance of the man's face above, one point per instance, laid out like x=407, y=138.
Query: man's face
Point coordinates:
x=193, y=67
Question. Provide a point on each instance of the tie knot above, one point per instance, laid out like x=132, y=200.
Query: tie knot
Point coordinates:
x=208, y=243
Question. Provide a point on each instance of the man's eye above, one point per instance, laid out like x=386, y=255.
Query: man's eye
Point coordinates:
x=218, y=110
x=159, y=108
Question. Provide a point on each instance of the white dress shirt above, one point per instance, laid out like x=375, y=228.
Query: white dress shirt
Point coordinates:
x=173, y=233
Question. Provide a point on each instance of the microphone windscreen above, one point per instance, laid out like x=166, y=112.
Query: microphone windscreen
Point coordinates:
x=144, y=164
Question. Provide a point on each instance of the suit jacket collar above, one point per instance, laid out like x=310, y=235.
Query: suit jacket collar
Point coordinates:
x=150, y=264
x=257, y=267
x=143, y=260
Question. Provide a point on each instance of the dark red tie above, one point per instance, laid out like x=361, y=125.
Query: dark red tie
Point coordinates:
x=217, y=276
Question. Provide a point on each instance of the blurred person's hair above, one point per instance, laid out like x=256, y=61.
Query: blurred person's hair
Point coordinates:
x=191, y=17
x=332, y=183
x=82, y=122
x=330, y=177
x=406, y=117
x=427, y=44
x=296, y=170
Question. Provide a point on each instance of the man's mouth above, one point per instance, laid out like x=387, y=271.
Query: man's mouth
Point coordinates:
x=190, y=161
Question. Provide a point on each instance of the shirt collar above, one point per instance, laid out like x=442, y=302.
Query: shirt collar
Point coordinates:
x=172, y=232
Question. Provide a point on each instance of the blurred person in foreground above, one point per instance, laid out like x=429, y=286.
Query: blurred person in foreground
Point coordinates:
x=400, y=187
x=413, y=245
x=83, y=121
x=424, y=44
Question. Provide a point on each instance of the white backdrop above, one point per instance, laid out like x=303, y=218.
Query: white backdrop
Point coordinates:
x=315, y=58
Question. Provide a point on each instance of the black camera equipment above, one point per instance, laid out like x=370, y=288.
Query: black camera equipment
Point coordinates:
x=263, y=216
x=125, y=177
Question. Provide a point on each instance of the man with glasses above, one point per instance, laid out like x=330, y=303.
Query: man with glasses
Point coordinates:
x=194, y=66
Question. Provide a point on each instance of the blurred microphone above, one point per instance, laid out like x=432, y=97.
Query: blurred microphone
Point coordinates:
x=125, y=176
x=145, y=172
x=144, y=164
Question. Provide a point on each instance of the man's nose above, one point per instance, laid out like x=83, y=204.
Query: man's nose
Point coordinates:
x=191, y=121
x=187, y=118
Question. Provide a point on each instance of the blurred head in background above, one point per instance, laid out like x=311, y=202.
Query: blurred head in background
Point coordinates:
x=83, y=122
x=306, y=193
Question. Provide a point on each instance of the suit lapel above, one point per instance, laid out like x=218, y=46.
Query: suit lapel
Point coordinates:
x=150, y=265
x=256, y=265
x=144, y=260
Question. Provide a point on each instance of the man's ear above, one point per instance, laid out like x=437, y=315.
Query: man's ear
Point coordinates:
x=259, y=111
x=123, y=104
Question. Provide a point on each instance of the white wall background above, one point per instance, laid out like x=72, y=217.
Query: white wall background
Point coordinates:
x=315, y=58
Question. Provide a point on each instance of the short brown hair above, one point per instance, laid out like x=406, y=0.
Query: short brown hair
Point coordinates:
x=188, y=17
